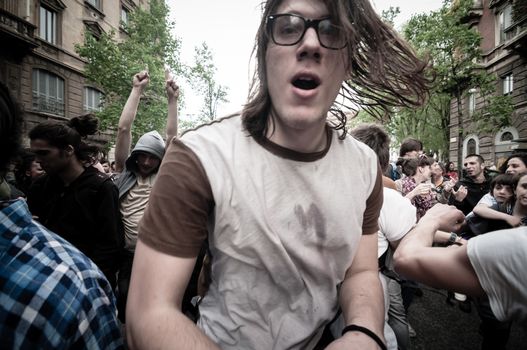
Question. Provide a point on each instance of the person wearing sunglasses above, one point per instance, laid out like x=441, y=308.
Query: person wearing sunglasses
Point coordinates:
x=286, y=200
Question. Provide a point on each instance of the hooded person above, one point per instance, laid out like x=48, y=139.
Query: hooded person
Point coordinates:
x=142, y=161
x=137, y=171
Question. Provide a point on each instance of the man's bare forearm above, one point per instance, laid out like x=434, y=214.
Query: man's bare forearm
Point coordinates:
x=362, y=302
x=165, y=328
x=172, y=118
x=124, y=131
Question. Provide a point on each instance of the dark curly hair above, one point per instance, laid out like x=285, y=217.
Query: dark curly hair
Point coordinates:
x=11, y=123
x=383, y=69
x=410, y=165
x=73, y=133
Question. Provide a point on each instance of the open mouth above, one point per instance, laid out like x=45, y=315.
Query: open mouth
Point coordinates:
x=306, y=83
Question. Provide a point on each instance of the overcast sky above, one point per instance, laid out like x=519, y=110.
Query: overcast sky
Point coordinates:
x=229, y=27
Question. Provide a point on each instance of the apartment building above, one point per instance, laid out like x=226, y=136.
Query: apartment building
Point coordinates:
x=503, y=27
x=38, y=61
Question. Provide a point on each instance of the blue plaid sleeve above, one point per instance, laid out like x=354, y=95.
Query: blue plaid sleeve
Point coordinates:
x=51, y=295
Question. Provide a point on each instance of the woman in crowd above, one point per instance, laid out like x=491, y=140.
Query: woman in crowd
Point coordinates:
x=515, y=164
x=452, y=172
x=415, y=185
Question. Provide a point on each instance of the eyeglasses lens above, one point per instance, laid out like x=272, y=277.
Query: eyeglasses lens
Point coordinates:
x=289, y=30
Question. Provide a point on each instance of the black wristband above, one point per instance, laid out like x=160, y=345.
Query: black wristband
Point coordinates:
x=354, y=327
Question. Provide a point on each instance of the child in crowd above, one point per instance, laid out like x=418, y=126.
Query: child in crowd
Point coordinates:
x=494, y=210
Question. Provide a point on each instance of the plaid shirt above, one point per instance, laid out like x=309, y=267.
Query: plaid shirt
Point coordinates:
x=51, y=295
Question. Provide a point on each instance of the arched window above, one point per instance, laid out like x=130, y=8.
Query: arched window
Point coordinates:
x=506, y=136
x=503, y=145
x=470, y=145
x=92, y=99
x=48, y=92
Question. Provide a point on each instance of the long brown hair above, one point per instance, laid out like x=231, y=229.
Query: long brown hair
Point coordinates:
x=384, y=71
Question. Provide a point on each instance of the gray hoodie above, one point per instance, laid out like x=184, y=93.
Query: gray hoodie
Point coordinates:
x=151, y=143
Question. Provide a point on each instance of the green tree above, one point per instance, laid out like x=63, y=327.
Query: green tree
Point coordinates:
x=454, y=48
x=388, y=16
x=203, y=79
x=111, y=64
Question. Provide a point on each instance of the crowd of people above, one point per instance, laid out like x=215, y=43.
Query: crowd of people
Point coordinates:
x=280, y=228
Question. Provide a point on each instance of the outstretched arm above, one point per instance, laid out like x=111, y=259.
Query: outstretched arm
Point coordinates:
x=124, y=131
x=173, y=95
x=448, y=268
x=489, y=213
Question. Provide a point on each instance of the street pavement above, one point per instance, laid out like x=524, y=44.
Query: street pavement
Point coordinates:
x=440, y=326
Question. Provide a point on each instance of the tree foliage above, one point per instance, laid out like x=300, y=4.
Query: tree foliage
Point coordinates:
x=454, y=49
x=111, y=64
x=389, y=15
x=202, y=77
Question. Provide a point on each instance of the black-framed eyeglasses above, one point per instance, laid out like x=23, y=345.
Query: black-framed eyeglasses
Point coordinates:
x=288, y=29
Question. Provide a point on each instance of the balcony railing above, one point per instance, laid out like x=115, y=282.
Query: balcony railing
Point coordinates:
x=47, y=104
x=16, y=26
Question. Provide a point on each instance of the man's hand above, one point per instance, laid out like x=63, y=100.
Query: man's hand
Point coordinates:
x=141, y=80
x=170, y=85
x=460, y=194
x=423, y=189
x=447, y=217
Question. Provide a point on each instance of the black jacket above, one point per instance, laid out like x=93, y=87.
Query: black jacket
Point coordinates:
x=474, y=193
x=86, y=213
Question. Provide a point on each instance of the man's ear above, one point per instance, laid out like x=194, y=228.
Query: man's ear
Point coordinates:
x=69, y=150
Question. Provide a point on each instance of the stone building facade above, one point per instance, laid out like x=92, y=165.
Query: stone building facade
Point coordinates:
x=504, y=46
x=38, y=61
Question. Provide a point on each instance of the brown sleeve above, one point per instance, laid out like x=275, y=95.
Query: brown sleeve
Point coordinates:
x=370, y=224
x=175, y=220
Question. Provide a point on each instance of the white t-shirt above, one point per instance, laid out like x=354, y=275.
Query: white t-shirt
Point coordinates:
x=499, y=259
x=397, y=217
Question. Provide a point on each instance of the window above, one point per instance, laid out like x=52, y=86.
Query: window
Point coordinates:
x=48, y=92
x=504, y=22
x=125, y=13
x=507, y=84
x=470, y=145
x=95, y=3
x=506, y=137
x=92, y=100
x=504, y=145
x=471, y=101
x=48, y=25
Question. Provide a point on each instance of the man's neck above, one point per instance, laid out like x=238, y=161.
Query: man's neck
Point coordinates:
x=305, y=141
x=479, y=179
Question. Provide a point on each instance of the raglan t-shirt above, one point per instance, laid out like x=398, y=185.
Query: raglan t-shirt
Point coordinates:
x=282, y=226
x=499, y=260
